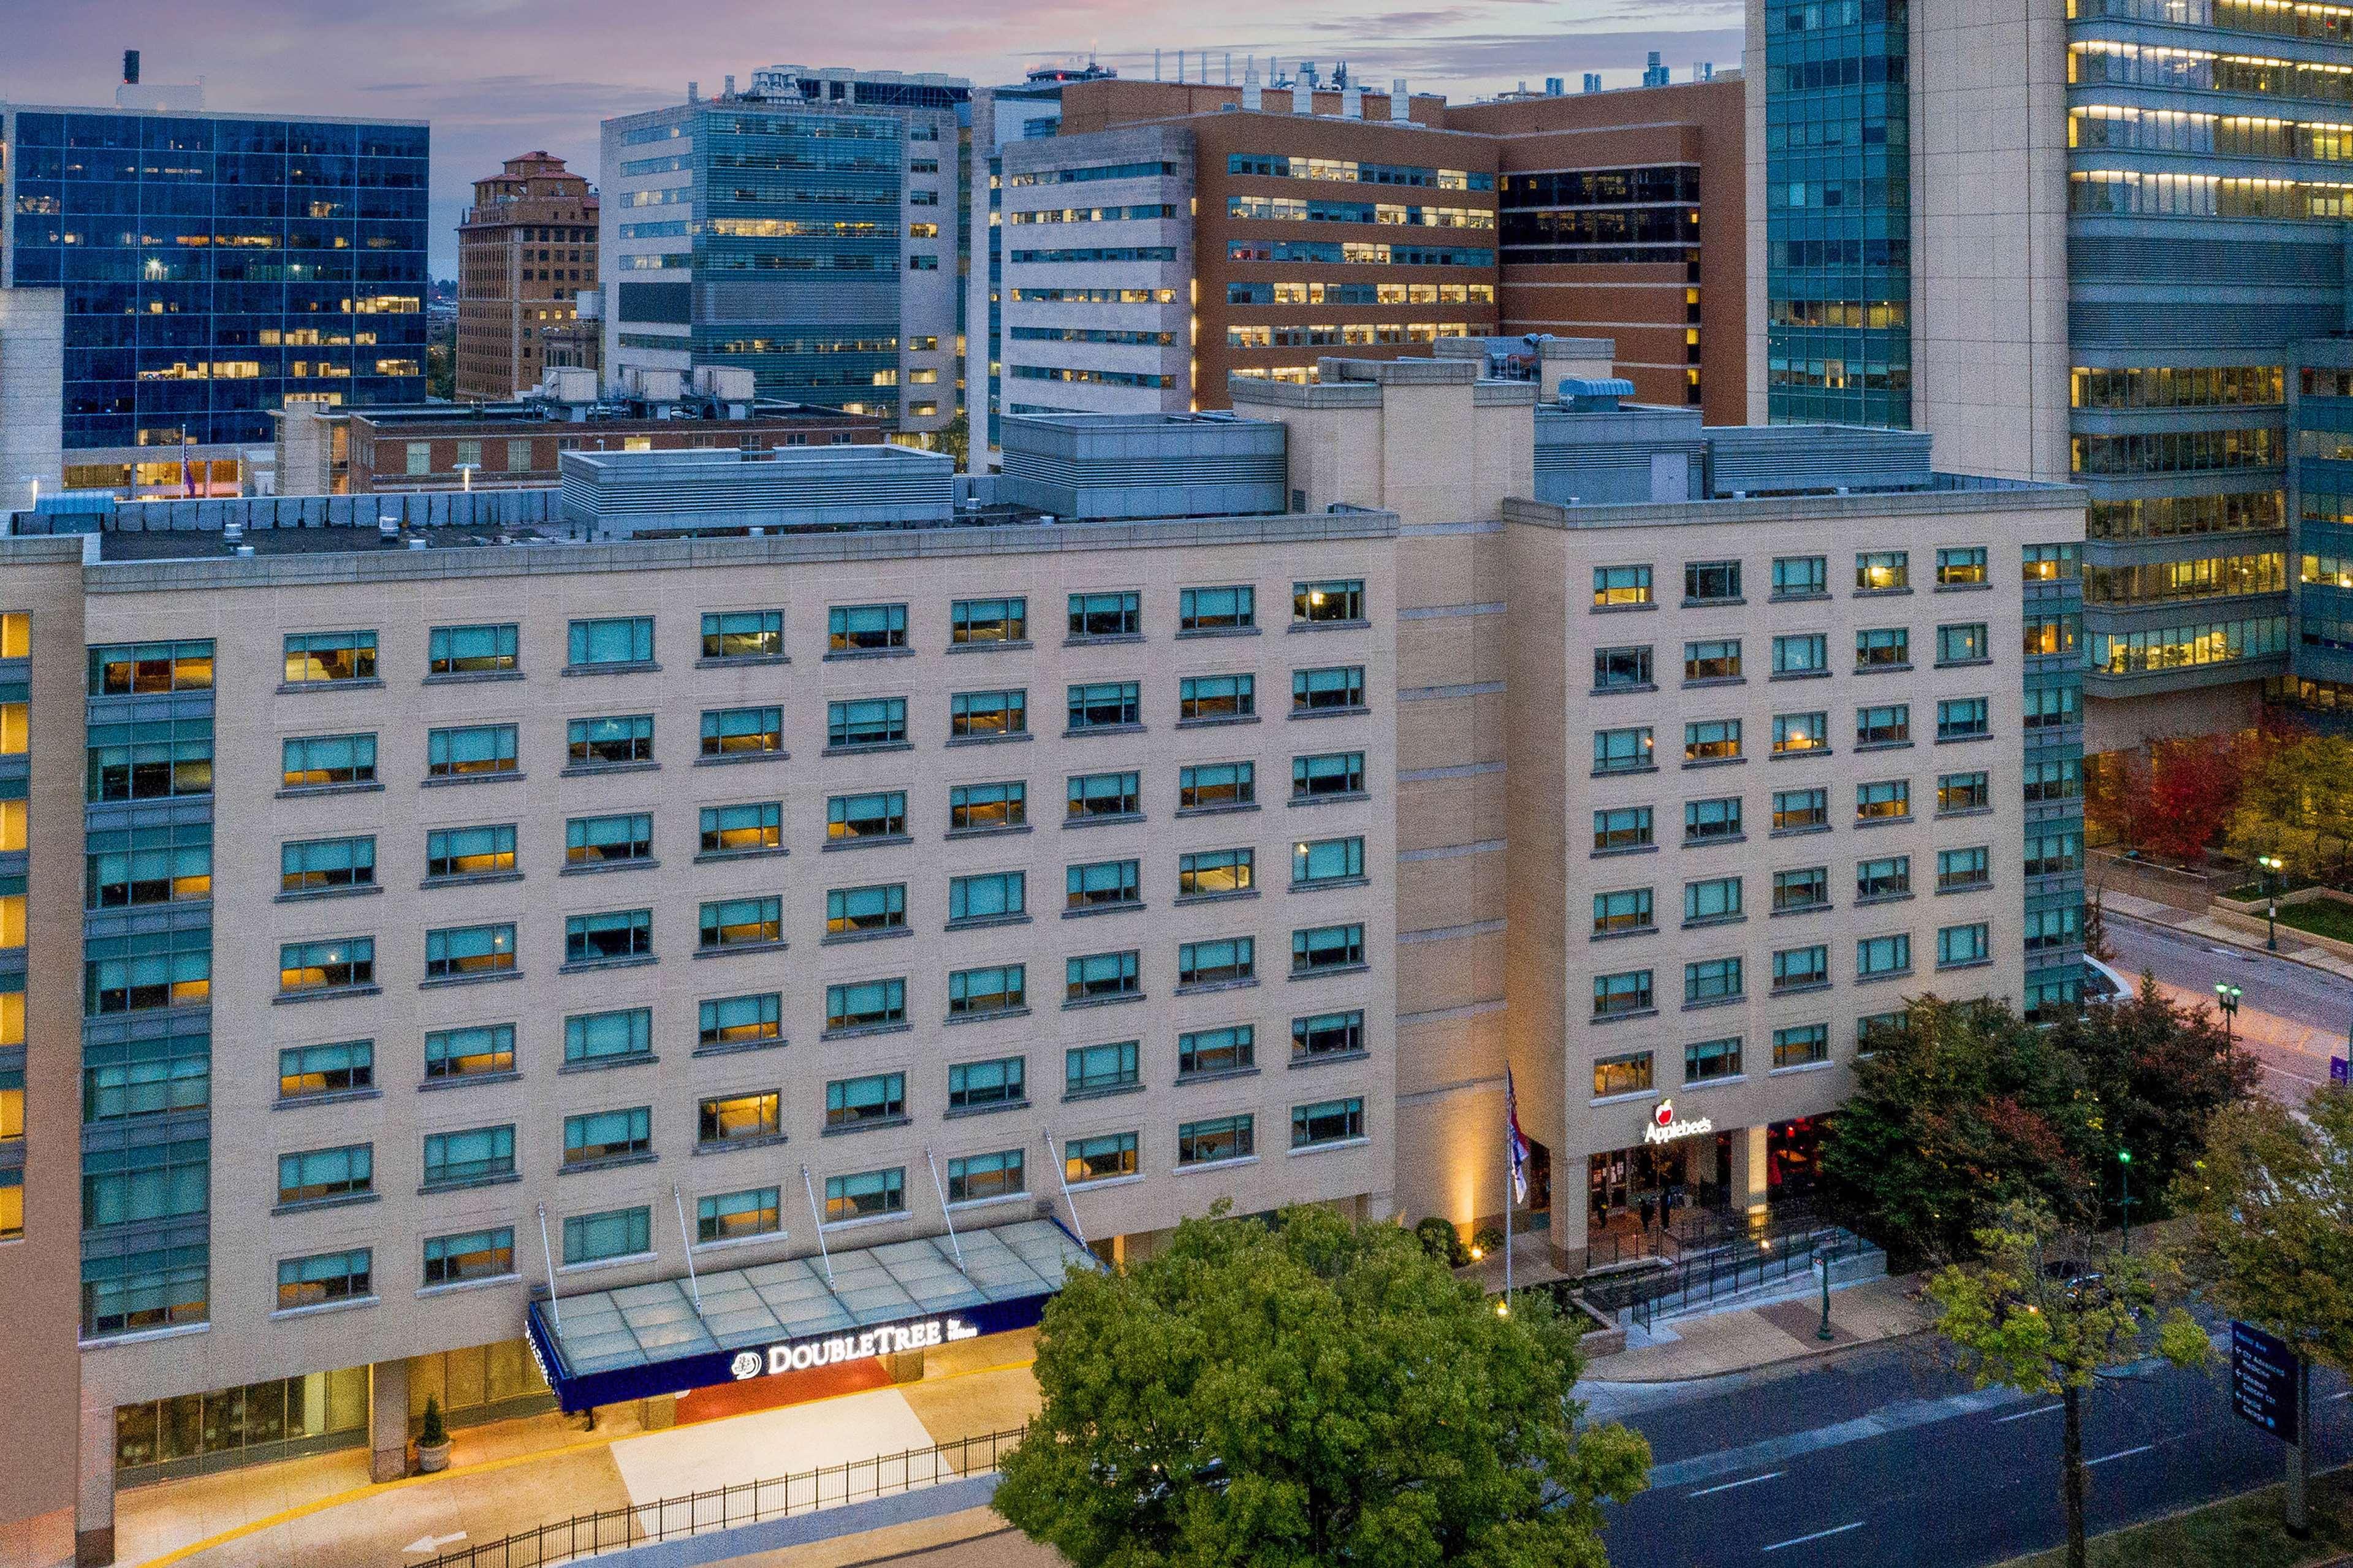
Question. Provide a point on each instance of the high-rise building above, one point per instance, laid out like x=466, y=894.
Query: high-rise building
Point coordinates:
x=526, y=251
x=215, y=268
x=807, y=229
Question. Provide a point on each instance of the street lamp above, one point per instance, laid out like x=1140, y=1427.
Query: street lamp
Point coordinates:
x=2124, y=1200
x=2226, y=996
x=2272, y=865
x=1823, y=1261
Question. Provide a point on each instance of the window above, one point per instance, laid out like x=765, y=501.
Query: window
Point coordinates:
x=1888, y=800
x=1616, y=587
x=1621, y=750
x=345, y=1067
x=1872, y=1028
x=1622, y=669
x=1964, y=644
x=1712, y=821
x=1625, y=1074
x=1716, y=660
x=461, y=953
x=1883, y=571
x=519, y=457
x=145, y=667
x=470, y=1053
x=868, y=1004
x=319, y=866
x=1887, y=725
x=2049, y=928
x=1794, y=734
x=993, y=895
x=733, y=1216
x=1711, y=740
x=1711, y=582
x=599, y=1136
x=2053, y=708
x=316, y=1175
x=1101, y=977
x=1321, y=948
x=881, y=815
x=1106, y=615
x=470, y=852
x=612, y=1233
x=1711, y=980
x=1327, y=775
x=1800, y=577
x=1098, y=797
x=1327, y=1035
x=1227, y=961
x=1104, y=704
x=1103, y=1159
x=2049, y=636
x=1800, y=968
x=1326, y=861
x=618, y=935
x=1963, y=792
x=1964, y=868
x=471, y=649
x=1216, y=786
x=754, y=732
x=1879, y=955
x=981, y=808
x=325, y=1278
x=983, y=1178
x=744, y=634
x=866, y=1101
x=1334, y=690
x=1714, y=900
x=988, y=620
x=1707, y=1060
x=1801, y=1045
x=753, y=828
x=322, y=658
x=142, y=760
x=474, y=752
x=1807, y=654
x=1883, y=648
x=2053, y=853
x=848, y=912
x=1957, y=947
x=1625, y=828
x=1103, y=884
x=1964, y=718
x=1207, y=1053
x=1327, y=1121
x=1216, y=699
x=868, y=721
x=624, y=640
x=1216, y=608
x=976, y=1085
x=2060, y=779
x=470, y=1254
x=609, y=742
x=1090, y=1069
x=1890, y=877
x=1335, y=600
x=1622, y=913
x=604, y=1038
x=325, y=966
x=606, y=841
x=1208, y=1142
x=328, y=762
x=1618, y=995
x=739, y=1023
x=1962, y=567
x=1797, y=890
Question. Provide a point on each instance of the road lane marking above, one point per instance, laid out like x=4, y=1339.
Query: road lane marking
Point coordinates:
x=2038, y=1410
x=1898, y=1417
x=2346, y=1394
x=2119, y=1454
x=1768, y=1476
x=1817, y=1535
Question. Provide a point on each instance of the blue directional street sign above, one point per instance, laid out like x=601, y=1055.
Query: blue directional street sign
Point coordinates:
x=2263, y=1381
x=2336, y=1071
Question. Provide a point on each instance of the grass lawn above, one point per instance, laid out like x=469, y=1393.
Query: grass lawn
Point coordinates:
x=2322, y=918
x=2240, y=1533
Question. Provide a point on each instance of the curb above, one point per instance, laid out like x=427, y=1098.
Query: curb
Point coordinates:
x=2227, y=942
x=1800, y=1358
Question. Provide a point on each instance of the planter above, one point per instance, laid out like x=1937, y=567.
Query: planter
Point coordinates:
x=432, y=1458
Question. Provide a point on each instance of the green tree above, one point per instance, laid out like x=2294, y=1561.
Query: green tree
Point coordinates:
x=2271, y=1207
x=2047, y=1311
x=955, y=437
x=2294, y=805
x=1311, y=1392
x=2159, y=1074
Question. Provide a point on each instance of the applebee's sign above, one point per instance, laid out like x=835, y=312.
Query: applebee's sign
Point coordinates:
x=1665, y=1128
x=835, y=1349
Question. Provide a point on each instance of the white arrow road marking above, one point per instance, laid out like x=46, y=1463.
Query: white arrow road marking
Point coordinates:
x=430, y=1544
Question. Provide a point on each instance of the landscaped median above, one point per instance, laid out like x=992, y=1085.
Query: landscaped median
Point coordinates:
x=2244, y=1531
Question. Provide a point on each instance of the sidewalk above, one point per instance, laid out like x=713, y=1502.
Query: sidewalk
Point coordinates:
x=2292, y=946
x=1718, y=1344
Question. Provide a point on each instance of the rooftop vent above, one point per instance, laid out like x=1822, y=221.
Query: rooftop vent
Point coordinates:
x=1581, y=394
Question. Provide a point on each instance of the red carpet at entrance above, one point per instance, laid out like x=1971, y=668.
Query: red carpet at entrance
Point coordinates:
x=723, y=1400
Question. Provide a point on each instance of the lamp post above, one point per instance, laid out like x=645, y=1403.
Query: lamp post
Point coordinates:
x=1823, y=1261
x=2124, y=1201
x=2226, y=997
x=2272, y=865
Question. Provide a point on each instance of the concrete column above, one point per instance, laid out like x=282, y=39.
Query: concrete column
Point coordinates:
x=904, y=1366
x=658, y=1414
x=94, y=1504
x=388, y=1421
x=1572, y=1211
x=1750, y=1159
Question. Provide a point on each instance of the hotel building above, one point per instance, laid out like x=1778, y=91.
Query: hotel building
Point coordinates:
x=526, y=251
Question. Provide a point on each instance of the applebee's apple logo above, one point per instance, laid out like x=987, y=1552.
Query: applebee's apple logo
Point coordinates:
x=747, y=1363
x=1665, y=1115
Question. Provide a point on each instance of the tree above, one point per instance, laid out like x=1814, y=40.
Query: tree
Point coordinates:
x=1307, y=1393
x=2193, y=788
x=2158, y=1073
x=2294, y=805
x=2272, y=1220
x=955, y=437
x=2047, y=1311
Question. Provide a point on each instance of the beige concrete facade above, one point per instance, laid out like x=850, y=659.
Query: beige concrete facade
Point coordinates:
x=32, y=391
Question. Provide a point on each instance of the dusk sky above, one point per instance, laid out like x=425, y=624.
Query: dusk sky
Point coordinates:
x=496, y=78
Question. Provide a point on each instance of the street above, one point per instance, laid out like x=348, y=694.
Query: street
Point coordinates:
x=1881, y=1459
x=2292, y=1016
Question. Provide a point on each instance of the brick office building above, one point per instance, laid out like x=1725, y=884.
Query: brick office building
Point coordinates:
x=525, y=250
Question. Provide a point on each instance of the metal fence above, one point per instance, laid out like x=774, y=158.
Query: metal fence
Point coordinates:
x=1695, y=1280
x=726, y=1508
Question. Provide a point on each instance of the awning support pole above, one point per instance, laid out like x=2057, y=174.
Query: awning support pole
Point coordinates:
x=685, y=1240
x=817, y=1215
x=932, y=1161
x=548, y=1252
x=1064, y=1178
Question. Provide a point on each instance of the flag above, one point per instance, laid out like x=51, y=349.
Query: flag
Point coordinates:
x=188, y=474
x=1516, y=1140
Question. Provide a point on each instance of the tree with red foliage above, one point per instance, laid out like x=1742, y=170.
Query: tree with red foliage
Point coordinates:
x=2194, y=784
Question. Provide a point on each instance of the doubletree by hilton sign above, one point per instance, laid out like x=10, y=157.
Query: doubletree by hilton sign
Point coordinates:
x=1665, y=1128
x=799, y=1355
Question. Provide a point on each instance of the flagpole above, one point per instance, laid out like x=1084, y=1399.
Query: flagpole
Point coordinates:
x=1511, y=1152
